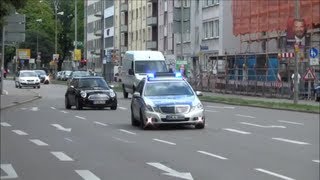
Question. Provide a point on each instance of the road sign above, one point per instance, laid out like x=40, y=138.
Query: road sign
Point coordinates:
x=313, y=52
x=309, y=75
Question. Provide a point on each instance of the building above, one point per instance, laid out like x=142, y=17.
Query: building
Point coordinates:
x=136, y=25
x=99, y=31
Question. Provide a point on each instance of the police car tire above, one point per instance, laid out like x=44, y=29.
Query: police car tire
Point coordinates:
x=142, y=125
x=200, y=125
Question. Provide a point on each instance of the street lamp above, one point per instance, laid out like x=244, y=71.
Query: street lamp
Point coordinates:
x=38, y=58
x=56, y=3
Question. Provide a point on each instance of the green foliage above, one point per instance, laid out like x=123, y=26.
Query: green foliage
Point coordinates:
x=9, y=6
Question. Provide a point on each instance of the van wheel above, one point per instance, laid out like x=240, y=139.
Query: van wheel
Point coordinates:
x=125, y=94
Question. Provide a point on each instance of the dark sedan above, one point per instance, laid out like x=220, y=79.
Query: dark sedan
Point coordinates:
x=90, y=91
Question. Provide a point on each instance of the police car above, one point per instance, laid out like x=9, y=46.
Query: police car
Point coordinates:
x=166, y=98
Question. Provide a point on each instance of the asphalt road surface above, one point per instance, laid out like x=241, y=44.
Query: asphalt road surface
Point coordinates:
x=42, y=140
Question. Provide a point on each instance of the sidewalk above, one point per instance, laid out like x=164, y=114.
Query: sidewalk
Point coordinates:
x=13, y=96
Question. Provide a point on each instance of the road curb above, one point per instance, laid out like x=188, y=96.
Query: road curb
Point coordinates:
x=22, y=102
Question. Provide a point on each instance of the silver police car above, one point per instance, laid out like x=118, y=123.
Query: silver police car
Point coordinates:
x=166, y=98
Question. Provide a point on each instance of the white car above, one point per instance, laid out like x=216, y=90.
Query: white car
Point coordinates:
x=26, y=78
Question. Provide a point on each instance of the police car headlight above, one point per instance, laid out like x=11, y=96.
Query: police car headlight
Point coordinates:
x=46, y=78
x=83, y=94
x=112, y=94
x=199, y=106
x=149, y=108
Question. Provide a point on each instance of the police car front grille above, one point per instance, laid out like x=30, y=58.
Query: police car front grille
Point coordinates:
x=179, y=109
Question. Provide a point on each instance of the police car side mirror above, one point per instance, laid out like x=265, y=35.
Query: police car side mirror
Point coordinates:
x=72, y=86
x=199, y=93
x=111, y=86
x=130, y=72
x=136, y=95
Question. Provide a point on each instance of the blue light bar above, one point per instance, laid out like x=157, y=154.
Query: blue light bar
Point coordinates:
x=150, y=75
x=178, y=75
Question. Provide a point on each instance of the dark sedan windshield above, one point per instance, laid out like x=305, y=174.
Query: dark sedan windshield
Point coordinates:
x=80, y=74
x=171, y=88
x=93, y=82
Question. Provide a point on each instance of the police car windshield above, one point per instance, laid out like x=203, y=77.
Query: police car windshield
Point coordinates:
x=172, y=88
x=150, y=66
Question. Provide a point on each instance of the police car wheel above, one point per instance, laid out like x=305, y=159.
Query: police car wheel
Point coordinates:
x=200, y=125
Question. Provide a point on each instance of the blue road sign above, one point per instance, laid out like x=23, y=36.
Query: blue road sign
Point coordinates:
x=313, y=52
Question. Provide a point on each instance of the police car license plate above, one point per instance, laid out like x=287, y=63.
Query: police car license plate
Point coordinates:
x=174, y=117
x=99, y=102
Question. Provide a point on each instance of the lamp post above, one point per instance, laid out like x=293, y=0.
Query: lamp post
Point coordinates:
x=38, y=58
x=55, y=3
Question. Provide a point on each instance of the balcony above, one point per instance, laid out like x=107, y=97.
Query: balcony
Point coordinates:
x=97, y=32
x=123, y=28
x=153, y=1
x=124, y=8
x=152, y=21
x=98, y=14
x=151, y=44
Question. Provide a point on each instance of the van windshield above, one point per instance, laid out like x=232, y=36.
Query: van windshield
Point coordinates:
x=150, y=66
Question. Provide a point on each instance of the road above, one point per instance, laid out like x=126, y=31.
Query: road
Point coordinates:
x=42, y=140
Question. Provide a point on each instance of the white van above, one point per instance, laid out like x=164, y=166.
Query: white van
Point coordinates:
x=136, y=65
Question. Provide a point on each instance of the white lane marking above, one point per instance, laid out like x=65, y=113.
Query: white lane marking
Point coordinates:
x=167, y=142
x=129, y=132
x=122, y=140
x=290, y=122
x=5, y=92
x=291, y=141
x=87, y=175
x=213, y=155
x=222, y=107
x=123, y=108
x=240, y=115
x=52, y=107
x=274, y=174
x=210, y=110
x=19, y=132
x=80, y=117
x=38, y=142
x=316, y=161
x=23, y=108
x=65, y=112
x=5, y=124
x=257, y=125
x=8, y=169
x=61, y=128
x=171, y=172
x=68, y=139
x=61, y=156
x=100, y=123
x=236, y=131
x=34, y=109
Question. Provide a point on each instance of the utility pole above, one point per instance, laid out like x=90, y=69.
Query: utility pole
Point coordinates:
x=55, y=28
x=75, y=24
x=102, y=54
x=2, y=59
x=296, y=69
x=181, y=41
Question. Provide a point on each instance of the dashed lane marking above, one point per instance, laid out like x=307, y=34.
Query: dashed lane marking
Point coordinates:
x=236, y=131
x=122, y=140
x=129, y=132
x=19, y=132
x=87, y=175
x=100, y=123
x=290, y=122
x=274, y=174
x=80, y=117
x=123, y=108
x=166, y=142
x=9, y=171
x=316, y=161
x=38, y=142
x=5, y=124
x=61, y=156
x=65, y=112
x=246, y=116
x=52, y=107
x=212, y=155
x=291, y=141
x=211, y=111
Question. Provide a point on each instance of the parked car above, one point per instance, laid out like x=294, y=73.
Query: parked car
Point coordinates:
x=26, y=78
x=59, y=75
x=44, y=78
x=65, y=76
x=90, y=91
x=317, y=93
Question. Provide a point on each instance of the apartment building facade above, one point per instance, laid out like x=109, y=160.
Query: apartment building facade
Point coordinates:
x=99, y=31
x=136, y=25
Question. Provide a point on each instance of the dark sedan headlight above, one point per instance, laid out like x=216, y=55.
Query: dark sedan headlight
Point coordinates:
x=83, y=94
x=112, y=94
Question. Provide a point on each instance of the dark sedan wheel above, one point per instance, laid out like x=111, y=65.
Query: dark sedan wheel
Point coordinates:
x=78, y=104
x=114, y=107
x=66, y=103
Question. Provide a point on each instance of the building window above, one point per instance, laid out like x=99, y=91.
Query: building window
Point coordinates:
x=186, y=3
x=210, y=29
x=207, y=3
x=165, y=43
x=165, y=17
x=108, y=22
x=137, y=14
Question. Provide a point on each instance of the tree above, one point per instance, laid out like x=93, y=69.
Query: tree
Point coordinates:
x=8, y=6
